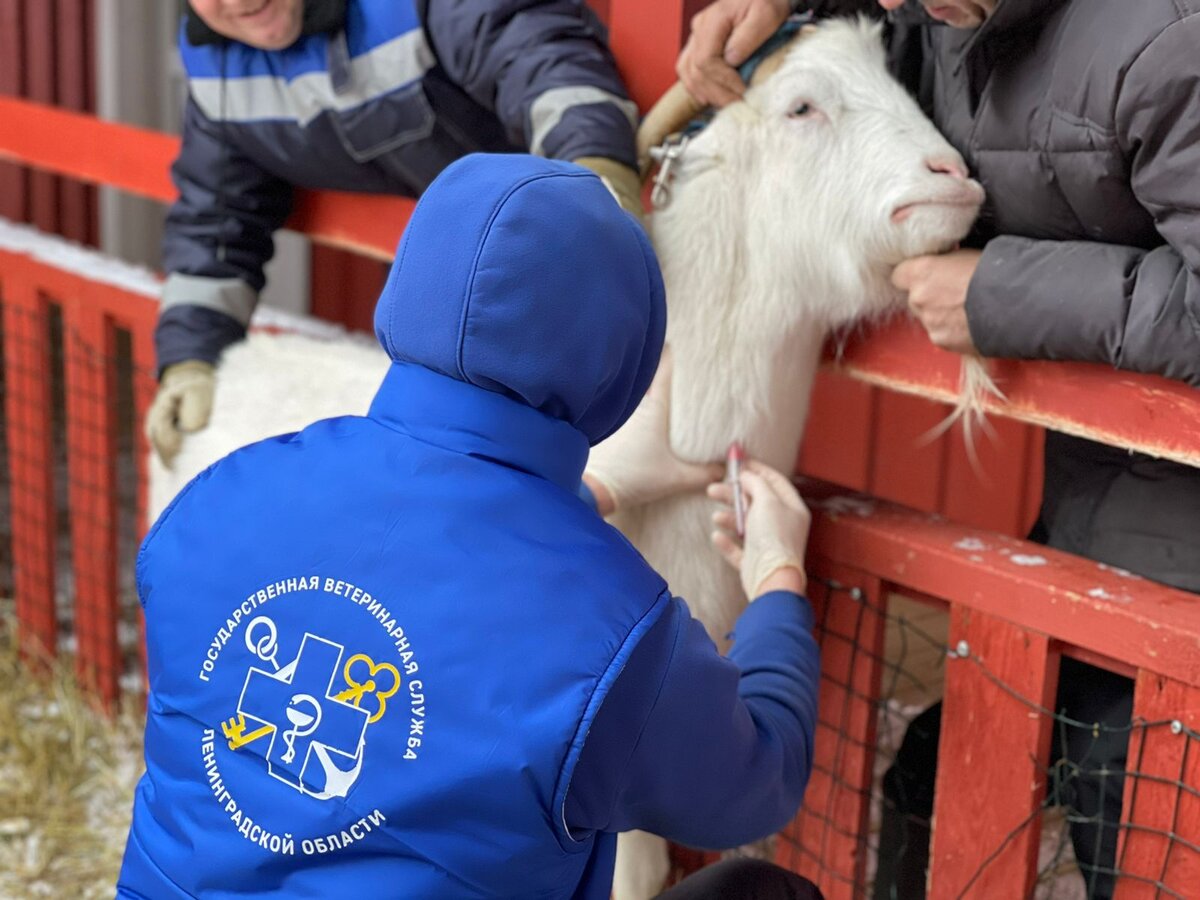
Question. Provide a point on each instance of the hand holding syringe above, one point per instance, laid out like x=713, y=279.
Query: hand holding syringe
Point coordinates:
x=765, y=507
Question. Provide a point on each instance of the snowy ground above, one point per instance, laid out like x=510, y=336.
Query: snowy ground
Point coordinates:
x=67, y=775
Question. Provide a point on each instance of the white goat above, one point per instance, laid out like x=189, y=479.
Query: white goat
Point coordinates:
x=787, y=215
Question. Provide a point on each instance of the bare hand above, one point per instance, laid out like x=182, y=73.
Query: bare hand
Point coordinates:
x=937, y=295
x=723, y=36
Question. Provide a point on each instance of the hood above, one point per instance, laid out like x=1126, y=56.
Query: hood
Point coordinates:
x=523, y=276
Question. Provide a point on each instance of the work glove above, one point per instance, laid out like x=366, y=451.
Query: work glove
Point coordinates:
x=183, y=404
x=636, y=465
x=777, y=523
x=621, y=180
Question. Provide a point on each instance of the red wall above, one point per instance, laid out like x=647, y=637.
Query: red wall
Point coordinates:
x=47, y=53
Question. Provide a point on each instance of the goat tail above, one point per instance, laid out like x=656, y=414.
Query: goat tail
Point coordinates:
x=975, y=386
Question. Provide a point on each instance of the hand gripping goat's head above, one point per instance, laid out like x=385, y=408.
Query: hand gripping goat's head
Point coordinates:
x=819, y=182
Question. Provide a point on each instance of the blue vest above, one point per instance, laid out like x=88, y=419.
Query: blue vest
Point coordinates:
x=375, y=650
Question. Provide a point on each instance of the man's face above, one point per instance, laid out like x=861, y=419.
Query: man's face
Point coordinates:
x=266, y=24
x=955, y=13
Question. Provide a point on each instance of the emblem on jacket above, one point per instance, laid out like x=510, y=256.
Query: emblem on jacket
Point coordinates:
x=313, y=712
x=307, y=706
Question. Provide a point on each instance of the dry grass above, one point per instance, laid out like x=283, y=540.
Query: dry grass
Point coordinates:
x=67, y=774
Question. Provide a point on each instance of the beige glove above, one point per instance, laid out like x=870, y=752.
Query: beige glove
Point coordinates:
x=777, y=523
x=621, y=180
x=636, y=465
x=183, y=404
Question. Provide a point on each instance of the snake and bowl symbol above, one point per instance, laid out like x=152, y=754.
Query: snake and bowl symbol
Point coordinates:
x=304, y=722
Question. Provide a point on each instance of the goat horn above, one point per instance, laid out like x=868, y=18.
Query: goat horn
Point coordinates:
x=677, y=107
x=674, y=109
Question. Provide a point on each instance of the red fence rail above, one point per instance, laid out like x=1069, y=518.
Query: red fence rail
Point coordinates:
x=1010, y=623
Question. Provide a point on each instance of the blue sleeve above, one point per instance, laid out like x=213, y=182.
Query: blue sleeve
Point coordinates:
x=218, y=236
x=543, y=67
x=705, y=750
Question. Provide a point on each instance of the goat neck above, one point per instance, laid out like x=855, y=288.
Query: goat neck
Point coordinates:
x=746, y=337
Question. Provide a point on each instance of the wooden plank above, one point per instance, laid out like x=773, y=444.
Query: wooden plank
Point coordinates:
x=991, y=776
x=138, y=161
x=985, y=481
x=367, y=224
x=81, y=146
x=27, y=411
x=827, y=840
x=838, y=437
x=13, y=179
x=1159, y=852
x=88, y=351
x=1142, y=412
x=70, y=52
x=39, y=69
x=646, y=38
x=345, y=287
x=906, y=464
x=1120, y=616
x=145, y=385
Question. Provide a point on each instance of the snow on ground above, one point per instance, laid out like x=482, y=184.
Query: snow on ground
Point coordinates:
x=67, y=774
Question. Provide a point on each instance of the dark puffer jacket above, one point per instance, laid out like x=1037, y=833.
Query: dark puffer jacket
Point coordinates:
x=1082, y=120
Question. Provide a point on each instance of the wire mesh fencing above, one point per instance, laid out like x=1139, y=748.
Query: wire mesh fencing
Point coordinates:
x=69, y=491
x=1096, y=766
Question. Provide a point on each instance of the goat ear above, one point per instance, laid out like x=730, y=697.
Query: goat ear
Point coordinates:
x=673, y=110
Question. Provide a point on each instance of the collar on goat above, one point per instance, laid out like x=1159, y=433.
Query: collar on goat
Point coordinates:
x=788, y=30
x=671, y=149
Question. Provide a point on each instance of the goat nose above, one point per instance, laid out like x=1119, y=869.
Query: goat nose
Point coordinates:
x=947, y=165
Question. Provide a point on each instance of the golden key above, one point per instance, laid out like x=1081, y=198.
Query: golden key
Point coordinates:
x=234, y=730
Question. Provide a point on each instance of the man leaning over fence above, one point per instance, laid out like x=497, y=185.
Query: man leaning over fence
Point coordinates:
x=358, y=95
x=1080, y=118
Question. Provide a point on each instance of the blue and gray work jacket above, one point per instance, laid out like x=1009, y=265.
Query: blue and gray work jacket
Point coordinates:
x=381, y=105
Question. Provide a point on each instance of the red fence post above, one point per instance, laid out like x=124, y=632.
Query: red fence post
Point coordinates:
x=1160, y=831
x=27, y=413
x=145, y=384
x=827, y=841
x=646, y=38
x=74, y=64
x=838, y=437
x=991, y=777
x=89, y=351
x=14, y=182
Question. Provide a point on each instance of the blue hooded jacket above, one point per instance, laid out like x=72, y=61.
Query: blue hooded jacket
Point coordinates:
x=398, y=656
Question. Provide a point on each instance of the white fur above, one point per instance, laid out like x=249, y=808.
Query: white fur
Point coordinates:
x=778, y=231
x=273, y=384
